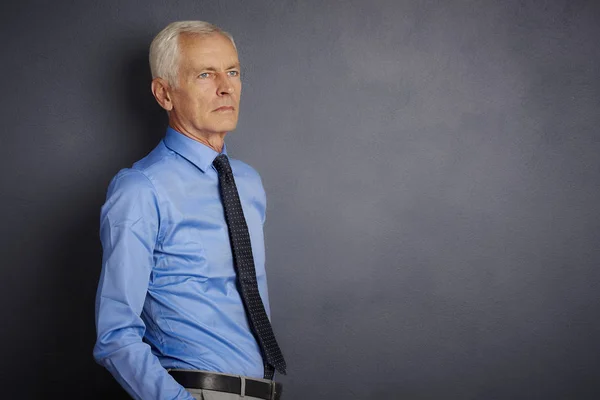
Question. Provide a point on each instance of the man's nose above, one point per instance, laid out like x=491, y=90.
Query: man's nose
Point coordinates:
x=224, y=85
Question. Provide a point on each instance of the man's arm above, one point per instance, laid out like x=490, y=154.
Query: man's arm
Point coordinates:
x=129, y=227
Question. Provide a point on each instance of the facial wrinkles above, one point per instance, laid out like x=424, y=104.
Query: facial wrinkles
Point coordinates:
x=199, y=98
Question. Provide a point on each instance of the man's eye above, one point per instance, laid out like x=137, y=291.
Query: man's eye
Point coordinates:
x=204, y=75
x=234, y=73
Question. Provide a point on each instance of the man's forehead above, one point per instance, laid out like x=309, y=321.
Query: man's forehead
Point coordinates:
x=208, y=42
x=213, y=50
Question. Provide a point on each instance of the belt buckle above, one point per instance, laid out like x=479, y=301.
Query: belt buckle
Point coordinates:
x=242, y=386
x=276, y=390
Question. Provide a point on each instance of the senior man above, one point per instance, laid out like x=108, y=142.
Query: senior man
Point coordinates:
x=182, y=304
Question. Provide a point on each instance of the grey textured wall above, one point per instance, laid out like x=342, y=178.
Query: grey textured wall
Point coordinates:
x=432, y=173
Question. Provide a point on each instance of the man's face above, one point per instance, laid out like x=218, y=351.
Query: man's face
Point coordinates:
x=207, y=97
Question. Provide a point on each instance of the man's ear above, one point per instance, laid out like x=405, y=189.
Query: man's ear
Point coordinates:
x=161, y=91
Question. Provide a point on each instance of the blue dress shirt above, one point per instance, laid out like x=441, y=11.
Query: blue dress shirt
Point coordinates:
x=167, y=295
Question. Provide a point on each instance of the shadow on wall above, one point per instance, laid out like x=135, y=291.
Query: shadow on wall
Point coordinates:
x=65, y=366
x=142, y=114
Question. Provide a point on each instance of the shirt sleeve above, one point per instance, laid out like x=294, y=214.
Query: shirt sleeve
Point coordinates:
x=129, y=226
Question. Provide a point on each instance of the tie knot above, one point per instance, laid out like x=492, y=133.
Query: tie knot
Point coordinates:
x=222, y=165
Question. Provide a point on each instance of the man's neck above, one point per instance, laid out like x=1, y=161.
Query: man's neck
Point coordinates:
x=213, y=140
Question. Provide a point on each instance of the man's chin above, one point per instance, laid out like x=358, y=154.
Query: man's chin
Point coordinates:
x=225, y=127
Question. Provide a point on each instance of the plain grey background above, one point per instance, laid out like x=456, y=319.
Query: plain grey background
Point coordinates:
x=432, y=174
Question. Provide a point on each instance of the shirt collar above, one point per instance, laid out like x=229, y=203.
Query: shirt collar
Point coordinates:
x=195, y=152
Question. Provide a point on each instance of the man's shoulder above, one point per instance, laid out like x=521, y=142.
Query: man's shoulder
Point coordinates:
x=248, y=177
x=129, y=181
x=243, y=169
x=156, y=166
x=140, y=175
x=153, y=161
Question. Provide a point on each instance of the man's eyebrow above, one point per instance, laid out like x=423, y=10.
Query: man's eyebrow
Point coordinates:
x=213, y=69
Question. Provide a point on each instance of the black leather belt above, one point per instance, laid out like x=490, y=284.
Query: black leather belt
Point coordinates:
x=229, y=384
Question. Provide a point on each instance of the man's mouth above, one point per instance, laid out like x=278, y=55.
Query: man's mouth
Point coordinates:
x=225, y=108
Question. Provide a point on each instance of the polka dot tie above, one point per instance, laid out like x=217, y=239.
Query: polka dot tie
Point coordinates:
x=243, y=262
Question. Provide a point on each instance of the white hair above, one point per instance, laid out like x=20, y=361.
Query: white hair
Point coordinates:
x=164, y=49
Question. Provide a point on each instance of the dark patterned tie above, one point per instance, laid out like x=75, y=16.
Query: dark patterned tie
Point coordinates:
x=243, y=262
